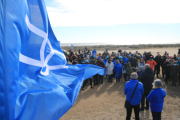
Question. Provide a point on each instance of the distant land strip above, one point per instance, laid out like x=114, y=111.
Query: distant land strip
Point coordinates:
x=123, y=47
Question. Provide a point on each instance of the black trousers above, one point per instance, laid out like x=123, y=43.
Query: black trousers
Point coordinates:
x=144, y=96
x=157, y=68
x=101, y=78
x=86, y=81
x=167, y=77
x=163, y=72
x=109, y=78
x=114, y=74
x=136, y=112
x=96, y=81
x=179, y=78
x=156, y=115
x=118, y=79
x=125, y=76
x=174, y=79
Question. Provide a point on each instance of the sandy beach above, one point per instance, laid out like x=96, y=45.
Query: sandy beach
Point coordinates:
x=106, y=101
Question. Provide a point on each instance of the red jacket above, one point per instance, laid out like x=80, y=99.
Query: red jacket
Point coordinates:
x=151, y=63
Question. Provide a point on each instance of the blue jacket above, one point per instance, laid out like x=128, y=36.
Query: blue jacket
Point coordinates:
x=125, y=59
x=114, y=62
x=94, y=53
x=83, y=61
x=105, y=61
x=128, y=91
x=156, y=99
x=118, y=70
x=178, y=62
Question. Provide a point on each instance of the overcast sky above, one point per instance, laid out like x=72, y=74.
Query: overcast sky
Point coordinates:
x=115, y=21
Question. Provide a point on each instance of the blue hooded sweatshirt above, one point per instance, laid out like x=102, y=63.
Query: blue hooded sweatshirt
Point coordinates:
x=125, y=59
x=128, y=91
x=156, y=99
x=94, y=52
x=118, y=69
x=105, y=61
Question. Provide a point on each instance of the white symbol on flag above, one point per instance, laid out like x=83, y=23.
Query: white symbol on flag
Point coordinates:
x=42, y=63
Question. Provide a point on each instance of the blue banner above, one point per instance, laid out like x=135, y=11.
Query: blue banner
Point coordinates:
x=35, y=81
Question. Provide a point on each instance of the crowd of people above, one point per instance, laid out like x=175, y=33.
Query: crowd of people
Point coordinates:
x=121, y=64
x=138, y=70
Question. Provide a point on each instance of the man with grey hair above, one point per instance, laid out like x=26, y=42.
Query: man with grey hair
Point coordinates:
x=146, y=79
x=146, y=66
x=134, y=75
x=136, y=87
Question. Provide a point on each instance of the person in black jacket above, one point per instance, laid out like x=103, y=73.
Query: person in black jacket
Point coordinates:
x=158, y=60
x=167, y=70
x=74, y=62
x=101, y=64
x=133, y=61
x=175, y=57
x=162, y=65
x=146, y=79
x=174, y=70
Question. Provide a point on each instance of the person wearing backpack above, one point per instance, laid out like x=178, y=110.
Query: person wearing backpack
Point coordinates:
x=133, y=90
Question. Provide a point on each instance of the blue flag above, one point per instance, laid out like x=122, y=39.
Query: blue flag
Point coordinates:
x=35, y=81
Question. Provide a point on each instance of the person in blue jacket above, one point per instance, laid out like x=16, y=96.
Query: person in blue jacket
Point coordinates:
x=121, y=60
x=156, y=99
x=136, y=99
x=94, y=52
x=105, y=59
x=125, y=59
x=178, y=61
x=114, y=61
x=118, y=70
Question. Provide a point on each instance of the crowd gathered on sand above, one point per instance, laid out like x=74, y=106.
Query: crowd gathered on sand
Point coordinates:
x=137, y=71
